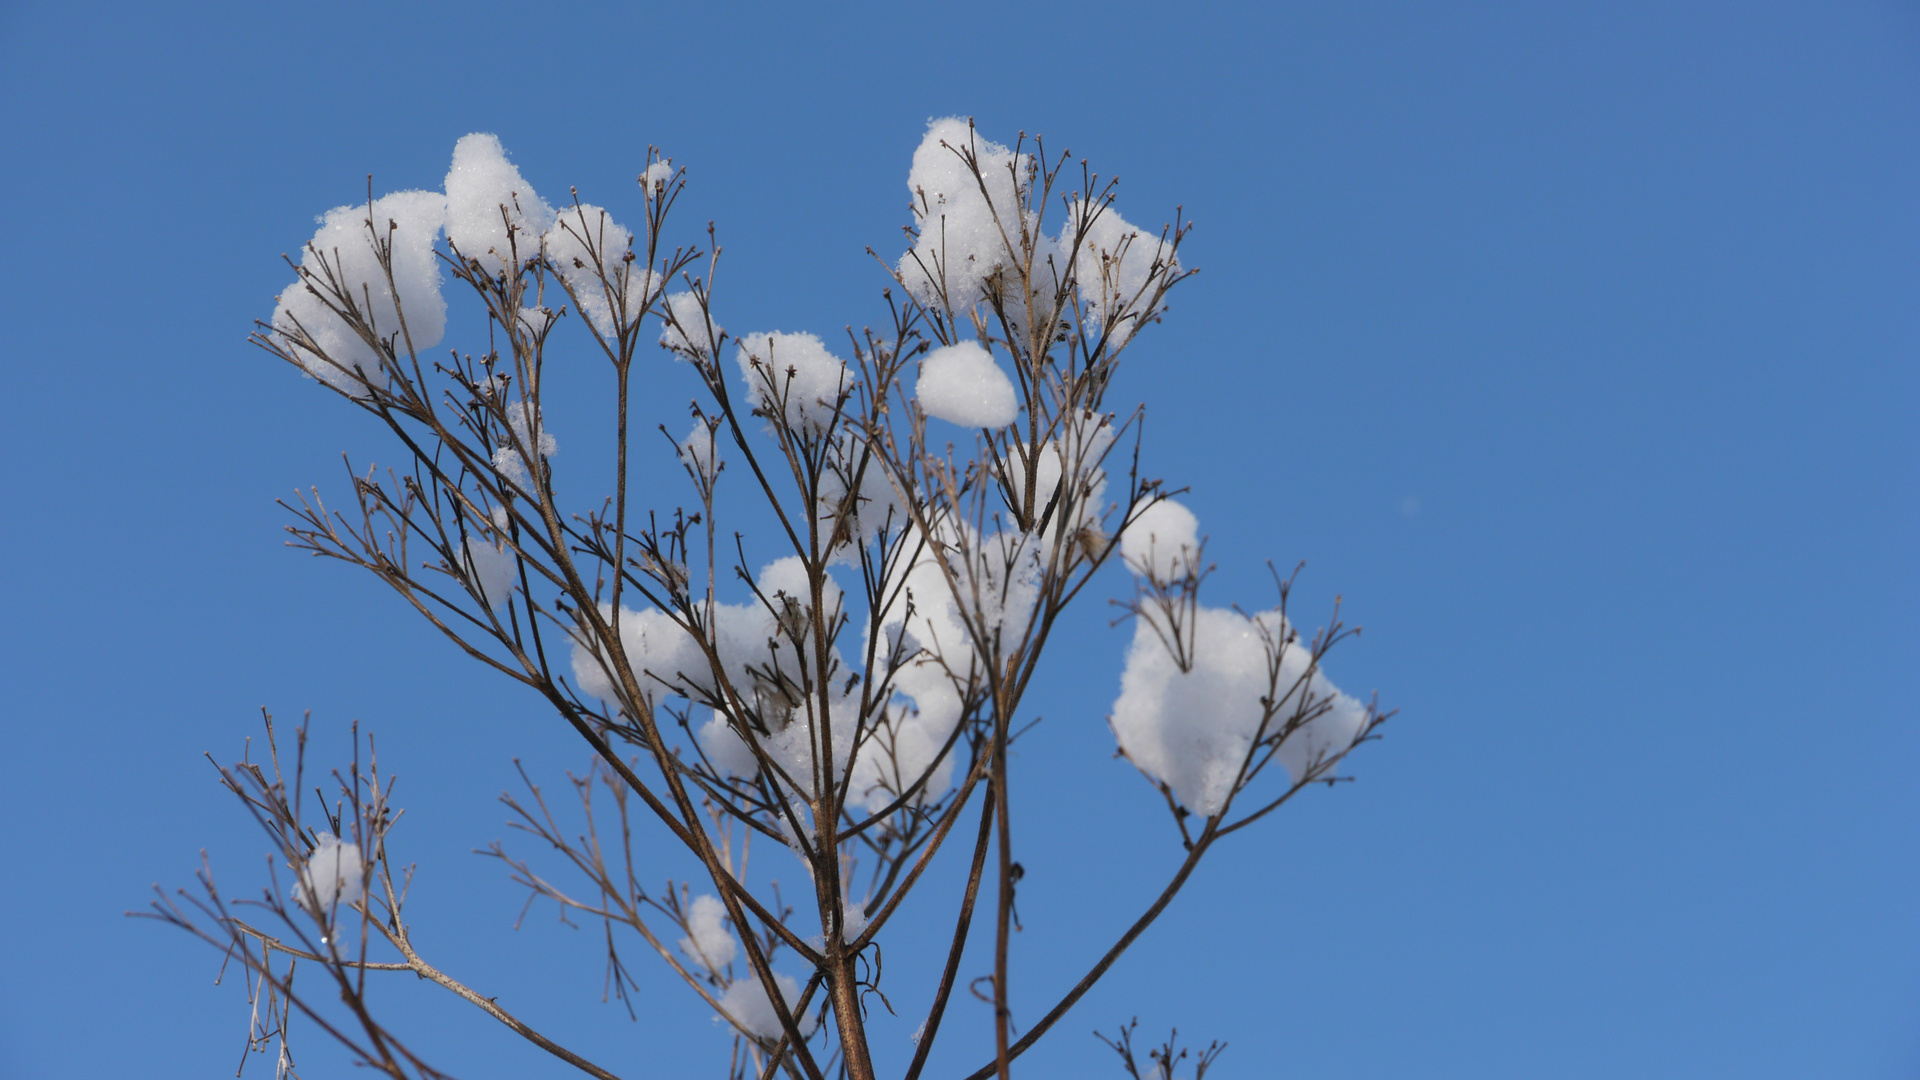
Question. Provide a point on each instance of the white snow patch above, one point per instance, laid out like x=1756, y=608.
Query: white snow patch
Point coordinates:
x=853, y=919
x=964, y=233
x=1162, y=542
x=590, y=249
x=793, y=378
x=493, y=214
x=492, y=568
x=700, y=451
x=747, y=1003
x=1192, y=729
x=333, y=875
x=1078, y=453
x=770, y=679
x=708, y=940
x=875, y=506
x=409, y=221
x=659, y=651
x=686, y=318
x=522, y=420
x=1118, y=267
x=962, y=385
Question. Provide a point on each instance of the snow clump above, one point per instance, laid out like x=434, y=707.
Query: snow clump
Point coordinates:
x=1190, y=720
x=707, y=939
x=963, y=234
x=334, y=874
x=590, y=251
x=746, y=1002
x=492, y=568
x=1192, y=729
x=962, y=385
x=700, y=451
x=660, y=651
x=1162, y=542
x=681, y=312
x=793, y=378
x=523, y=419
x=875, y=506
x=492, y=212
x=1117, y=264
x=1077, y=452
x=909, y=733
x=342, y=255
x=853, y=920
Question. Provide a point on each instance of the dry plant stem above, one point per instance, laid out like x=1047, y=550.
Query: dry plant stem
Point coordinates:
x=691, y=833
x=688, y=827
x=730, y=891
x=594, y=865
x=379, y=1052
x=1215, y=828
x=1000, y=1064
x=1003, y=916
x=841, y=978
x=487, y=1005
x=419, y=966
x=962, y=924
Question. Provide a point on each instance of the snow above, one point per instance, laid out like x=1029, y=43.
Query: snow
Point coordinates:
x=657, y=648
x=964, y=232
x=970, y=228
x=1162, y=542
x=1000, y=583
x=769, y=678
x=1116, y=264
x=344, y=244
x=962, y=385
x=934, y=622
x=333, y=875
x=1193, y=729
x=708, y=941
x=905, y=743
x=589, y=250
x=893, y=756
x=907, y=737
x=522, y=418
x=793, y=378
x=997, y=578
x=747, y=1003
x=686, y=312
x=1327, y=735
x=853, y=919
x=657, y=176
x=492, y=568
x=491, y=209
x=936, y=649
x=853, y=915
x=726, y=751
x=1077, y=452
x=877, y=505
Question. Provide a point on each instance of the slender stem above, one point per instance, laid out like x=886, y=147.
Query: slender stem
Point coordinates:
x=931, y=1027
x=491, y=1008
x=1002, y=1015
x=1086, y=981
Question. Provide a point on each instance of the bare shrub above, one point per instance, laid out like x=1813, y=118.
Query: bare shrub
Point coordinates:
x=836, y=674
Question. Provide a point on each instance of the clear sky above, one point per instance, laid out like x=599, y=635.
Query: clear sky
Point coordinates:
x=1574, y=345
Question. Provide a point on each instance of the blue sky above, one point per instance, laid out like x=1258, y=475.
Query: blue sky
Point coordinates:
x=1573, y=346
